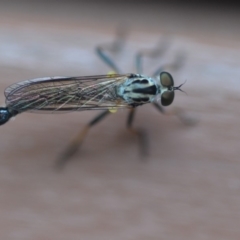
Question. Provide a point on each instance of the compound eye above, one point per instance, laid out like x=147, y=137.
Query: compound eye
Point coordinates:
x=166, y=79
x=167, y=98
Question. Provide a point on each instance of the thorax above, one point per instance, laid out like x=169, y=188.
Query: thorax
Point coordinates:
x=138, y=89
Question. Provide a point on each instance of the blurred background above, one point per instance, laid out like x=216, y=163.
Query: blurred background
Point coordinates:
x=187, y=188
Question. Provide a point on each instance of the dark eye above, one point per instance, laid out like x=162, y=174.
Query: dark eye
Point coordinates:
x=167, y=98
x=166, y=79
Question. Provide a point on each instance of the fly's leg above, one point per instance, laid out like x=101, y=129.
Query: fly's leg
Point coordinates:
x=114, y=47
x=101, y=53
x=78, y=140
x=179, y=113
x=174, y=66
x=143, y=143
x=152, y=53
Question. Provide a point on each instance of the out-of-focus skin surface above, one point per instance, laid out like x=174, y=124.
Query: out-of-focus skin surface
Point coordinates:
x=188, y=187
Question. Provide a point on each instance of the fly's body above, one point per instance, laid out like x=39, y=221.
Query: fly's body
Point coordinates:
x=100, y=92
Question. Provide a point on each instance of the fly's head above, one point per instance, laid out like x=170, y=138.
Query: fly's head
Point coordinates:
x=167, y=88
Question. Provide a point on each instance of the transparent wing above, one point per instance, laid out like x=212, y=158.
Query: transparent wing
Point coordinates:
x=58, y=94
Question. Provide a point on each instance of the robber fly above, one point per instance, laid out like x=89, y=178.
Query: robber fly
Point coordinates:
x=100, y=92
